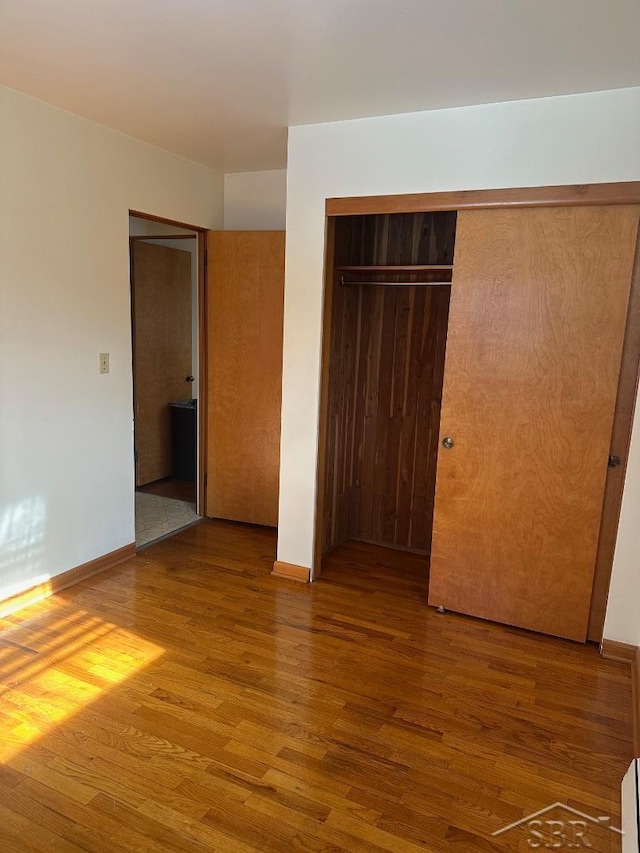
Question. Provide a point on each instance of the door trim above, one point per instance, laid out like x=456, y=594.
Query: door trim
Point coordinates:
x=627, y=192
x=327, y=311
x=552, y=196
x=201, y=236
x=203, y=381
x=620, y=443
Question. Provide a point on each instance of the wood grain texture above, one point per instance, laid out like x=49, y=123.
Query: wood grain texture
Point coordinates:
x=161, y=307
x=152, y=218
x=418, y=243
x=627, y=654
x=290, y=571
x=624, y=192
x=619, y=446
x=614, y=650
x=179, y=490
x=391, y=417
x=538, y=310
x=245, y=303
x=164, y=237
x=385, y=367
x=43, y=590
x=189, y=701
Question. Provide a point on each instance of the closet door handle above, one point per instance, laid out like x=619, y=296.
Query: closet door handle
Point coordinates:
x=447, y=442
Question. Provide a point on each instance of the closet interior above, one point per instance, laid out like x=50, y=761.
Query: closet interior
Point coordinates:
x=389, y=312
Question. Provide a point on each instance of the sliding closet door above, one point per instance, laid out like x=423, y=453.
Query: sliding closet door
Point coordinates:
x=537, y=318
x=245, y=298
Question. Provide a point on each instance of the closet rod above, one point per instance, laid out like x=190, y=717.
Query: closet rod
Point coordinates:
x=344, y=283
x=163, y=237
x=394, y=268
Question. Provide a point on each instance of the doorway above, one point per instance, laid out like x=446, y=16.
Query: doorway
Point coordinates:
x=165, y=275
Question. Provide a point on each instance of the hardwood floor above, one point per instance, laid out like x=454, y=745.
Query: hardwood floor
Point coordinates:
x=187, y=700
x=181, y=490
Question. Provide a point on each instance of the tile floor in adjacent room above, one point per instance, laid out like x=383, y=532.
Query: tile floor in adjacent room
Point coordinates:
x=159, y=516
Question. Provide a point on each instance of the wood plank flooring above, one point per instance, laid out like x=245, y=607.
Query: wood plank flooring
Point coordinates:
x=189, y=701
x=181, y=490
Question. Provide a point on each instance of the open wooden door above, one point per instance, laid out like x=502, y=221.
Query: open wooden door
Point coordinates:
x=245, y=303
x=161, y=298
x=537, y=318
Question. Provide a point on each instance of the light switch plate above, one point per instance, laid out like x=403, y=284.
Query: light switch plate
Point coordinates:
x=104, y=362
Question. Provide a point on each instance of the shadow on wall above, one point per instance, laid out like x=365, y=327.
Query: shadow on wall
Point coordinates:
x=22, y=530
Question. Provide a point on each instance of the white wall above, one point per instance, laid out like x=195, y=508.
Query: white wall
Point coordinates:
x=575, y=139
x=255, y=201
x=66, y=442
x=139, y=227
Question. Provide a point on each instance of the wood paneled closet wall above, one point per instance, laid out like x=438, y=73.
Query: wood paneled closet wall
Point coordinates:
x=386, y=369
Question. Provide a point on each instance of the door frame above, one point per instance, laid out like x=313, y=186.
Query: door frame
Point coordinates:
x=201, y=239
x=553, y=196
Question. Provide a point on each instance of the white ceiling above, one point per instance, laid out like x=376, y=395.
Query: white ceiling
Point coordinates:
x=219, y=81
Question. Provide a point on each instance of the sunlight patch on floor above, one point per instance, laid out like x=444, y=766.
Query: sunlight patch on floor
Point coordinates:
x=49, y=674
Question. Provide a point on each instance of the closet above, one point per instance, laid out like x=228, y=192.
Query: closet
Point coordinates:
x=388, y=335
x=470, y=373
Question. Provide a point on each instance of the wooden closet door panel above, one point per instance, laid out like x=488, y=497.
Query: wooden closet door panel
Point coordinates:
x=245, y=299
x=537, y=318
x=162, y=351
